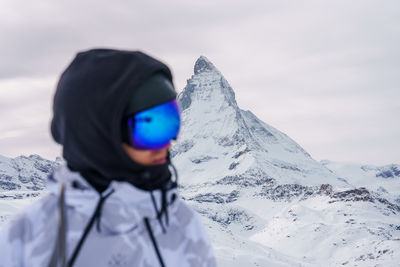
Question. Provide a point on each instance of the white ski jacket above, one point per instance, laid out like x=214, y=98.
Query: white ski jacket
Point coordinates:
x=125, y=226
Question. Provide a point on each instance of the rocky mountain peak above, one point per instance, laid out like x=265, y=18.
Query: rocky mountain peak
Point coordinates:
x=203, y=65
x=207, y=85
x=216, y=131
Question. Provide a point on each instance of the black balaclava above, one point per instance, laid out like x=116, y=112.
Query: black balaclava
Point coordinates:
x=94, y=95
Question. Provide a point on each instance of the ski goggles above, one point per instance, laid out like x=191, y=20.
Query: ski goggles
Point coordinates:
x=155, y=127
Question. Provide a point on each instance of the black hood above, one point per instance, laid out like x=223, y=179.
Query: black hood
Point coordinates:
x=89, y=104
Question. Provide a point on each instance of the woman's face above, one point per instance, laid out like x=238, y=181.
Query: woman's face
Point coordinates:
x=148, y=157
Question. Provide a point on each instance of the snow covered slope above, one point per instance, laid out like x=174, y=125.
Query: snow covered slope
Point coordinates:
x=22, y=179
x=385, y=180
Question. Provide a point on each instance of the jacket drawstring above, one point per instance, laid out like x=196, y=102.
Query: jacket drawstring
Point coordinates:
x=164, y=201
x=153, y=240
x=164, y=205
x=161, y=212
x=95, y=216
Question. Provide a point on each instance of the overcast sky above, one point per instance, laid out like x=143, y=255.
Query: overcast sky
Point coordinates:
x=326, y=73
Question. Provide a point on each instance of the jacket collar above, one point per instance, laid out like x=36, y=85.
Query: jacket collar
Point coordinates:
x=126, y=202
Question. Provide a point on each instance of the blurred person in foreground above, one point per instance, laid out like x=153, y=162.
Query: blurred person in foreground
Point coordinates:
x=115, y=201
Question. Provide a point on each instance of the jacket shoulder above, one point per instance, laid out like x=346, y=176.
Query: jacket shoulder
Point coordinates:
x=196, y=243
x=33, y=218
x=19, y=233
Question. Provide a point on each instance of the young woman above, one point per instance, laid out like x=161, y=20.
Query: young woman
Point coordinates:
x=115, y=202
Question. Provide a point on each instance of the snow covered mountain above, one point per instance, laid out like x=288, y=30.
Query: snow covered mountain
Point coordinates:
x=22, y=179
x=217, y=135
x=24, y=173
x=265, y=201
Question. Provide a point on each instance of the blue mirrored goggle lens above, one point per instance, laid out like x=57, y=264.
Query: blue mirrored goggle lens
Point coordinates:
x=155, y=127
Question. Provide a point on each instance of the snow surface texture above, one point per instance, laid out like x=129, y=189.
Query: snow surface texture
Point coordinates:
x=384, y=180
x=22, y=179
x=25, y=173
x=265, y=201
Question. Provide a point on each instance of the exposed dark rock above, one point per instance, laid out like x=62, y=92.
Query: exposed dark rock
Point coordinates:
x=6, y=185
x=209, y=197
x=203, y=65
x=233, y=165
x=24, y=179
x=35, y=188
x=216, y=198
x=325, y=189
x=5, y=177
x=184, y=98
x=45, y=166
x=238, y=154
x=236, y=140
x=358, y=194
x=202, y=159
x=225, y=141
x=233, y=196
x=233, y=215
x=181, y=148
x=362, y=194
x=19, y=195
x=289, y=167
x=390, y=171
x=248, y=179
x=287, y=192
x=391, y=206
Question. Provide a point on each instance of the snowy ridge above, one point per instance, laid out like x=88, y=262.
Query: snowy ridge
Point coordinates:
x=24, y=173
x=385, y=180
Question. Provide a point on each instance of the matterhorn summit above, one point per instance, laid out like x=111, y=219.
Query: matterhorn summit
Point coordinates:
x=205, y=79
x=220, y=142
x=204, y=65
